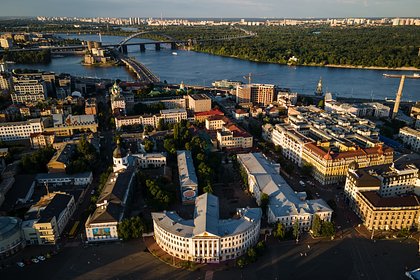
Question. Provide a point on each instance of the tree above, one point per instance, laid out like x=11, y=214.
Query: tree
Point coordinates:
x=296, y=229
x=327, y=229
x=252, y=255
x=316, y=225
x=264, y=202
x=131, y=228
x=280, y=231
x=148, y=145
x=321, y=104
x=37, y=161
x=260, y=247
x=307, y=169
x=241, y=262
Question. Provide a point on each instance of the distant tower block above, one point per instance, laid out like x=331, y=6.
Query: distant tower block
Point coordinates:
x=398, y=99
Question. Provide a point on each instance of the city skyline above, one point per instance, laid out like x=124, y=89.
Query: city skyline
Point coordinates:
x=212, y=9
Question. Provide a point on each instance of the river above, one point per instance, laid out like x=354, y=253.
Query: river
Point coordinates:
x=202, y=69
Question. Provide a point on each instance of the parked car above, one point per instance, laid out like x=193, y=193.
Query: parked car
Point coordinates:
x=20, y=264
x=302, y=183
x=41, y=258
x=35, y=260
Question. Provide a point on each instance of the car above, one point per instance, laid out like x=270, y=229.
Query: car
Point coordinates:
x=92, y=192
x=41, y=258
x=302, y=183
x=35, y=260
x=20, y=264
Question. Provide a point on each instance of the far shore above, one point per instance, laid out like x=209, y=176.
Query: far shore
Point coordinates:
x=372, y=67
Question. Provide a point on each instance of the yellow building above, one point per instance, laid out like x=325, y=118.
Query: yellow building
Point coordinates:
x=61, y=158
x=387, y=213
x=42, y=140
x=199, y=103
x=330, y=166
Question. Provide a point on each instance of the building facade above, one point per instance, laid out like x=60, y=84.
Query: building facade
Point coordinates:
x=284, y=205
x=410, y=137
x=11, y=236
x=207, y=238
x=26, y=90
x=12, y=131
x=260, y=94
x=199, y=103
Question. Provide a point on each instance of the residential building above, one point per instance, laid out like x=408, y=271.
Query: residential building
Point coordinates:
x=203, y=116
x=61, y=158
x=216, y=122
x=226, y=84
x=233, y=137
x=374, y=109
x=188, y=182
x=291, y=141
x=285, y=205
x=13, y=131
x=6, y=81
x=66, y=125
x=410, y=137
x=45, y=221
x=28, y=90
x=12, y=239
x=168, y=102
x=110, y=207
x=42, y=139
x=199, y=103
x=207, y=238
x=260, y=94
x=90, y=106
x=240, y=114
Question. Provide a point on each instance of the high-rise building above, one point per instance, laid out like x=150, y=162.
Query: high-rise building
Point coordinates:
x=260, y=94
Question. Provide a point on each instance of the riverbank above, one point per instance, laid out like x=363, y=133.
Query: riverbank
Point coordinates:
x=372, y=67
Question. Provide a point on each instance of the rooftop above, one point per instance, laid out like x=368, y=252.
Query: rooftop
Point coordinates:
x=391, y=202
x=199, y=96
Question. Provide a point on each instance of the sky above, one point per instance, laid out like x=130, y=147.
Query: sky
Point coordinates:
x=212, y=8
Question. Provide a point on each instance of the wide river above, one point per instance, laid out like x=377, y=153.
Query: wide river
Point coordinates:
x=202, y=69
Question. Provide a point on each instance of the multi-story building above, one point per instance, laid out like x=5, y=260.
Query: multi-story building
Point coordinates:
x=388, y=213
x=330, y=163
x=150, y=160
x=226, y=84
x=376, y=110
x=207, y=238
x=42, y=139
x=199, y=103
x=383, y=196
x=216, y=122
x=110, y=207
x=290, y=140
x=410, y=137
x=66, y=125
x=46, y=220
x=285, y=205
x=168, y=102
x=13, y=131
x=168, y=116
x=62, y=179
x=203, y=116
x=90, y=106
x=12, y=239
x=5, y=81
x=260, y=94
x=232, y=137
x=61, y=158
x=188, y=182
x=28, y=90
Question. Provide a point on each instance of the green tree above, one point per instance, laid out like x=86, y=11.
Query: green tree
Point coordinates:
x=307, y=169
x=131, y=228
x=316, y=225
x=296, y=229
x=280, y=231
x=264, y=202
x=148, y=145
x=327, y=229
x=241, y=262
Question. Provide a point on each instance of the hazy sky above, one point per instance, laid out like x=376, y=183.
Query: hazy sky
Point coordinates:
x=212, y=8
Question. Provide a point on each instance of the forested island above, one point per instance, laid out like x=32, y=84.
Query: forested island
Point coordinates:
x=28, y=57
x=385, y=46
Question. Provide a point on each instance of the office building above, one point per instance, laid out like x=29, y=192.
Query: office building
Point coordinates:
x=14, y=131
x=257, y=94
x=199, y=103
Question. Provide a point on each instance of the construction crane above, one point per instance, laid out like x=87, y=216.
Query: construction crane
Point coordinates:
x=250, y=75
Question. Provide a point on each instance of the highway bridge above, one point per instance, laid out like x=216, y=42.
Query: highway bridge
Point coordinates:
x=141, y=71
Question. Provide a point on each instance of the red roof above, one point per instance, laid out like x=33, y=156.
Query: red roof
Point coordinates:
x=214, y=112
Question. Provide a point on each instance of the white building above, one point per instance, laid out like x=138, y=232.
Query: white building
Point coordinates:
x=59, y=179
x=170, y=116
x=12, y=131
x=150, y=160
x=290, y=141
x=207, y=238
x=375, y=109
x=111, y=205
x=28, y=91
x=285, y=205
x=410, y=137
x=187, y=177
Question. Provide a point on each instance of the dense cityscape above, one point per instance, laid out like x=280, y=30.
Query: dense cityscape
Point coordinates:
x=140, y=177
